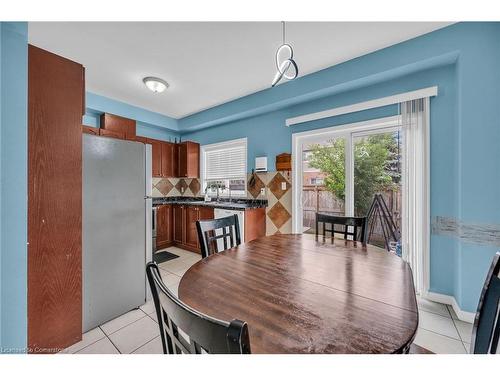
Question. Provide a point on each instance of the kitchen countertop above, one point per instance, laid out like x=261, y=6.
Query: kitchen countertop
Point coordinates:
x=224, y=203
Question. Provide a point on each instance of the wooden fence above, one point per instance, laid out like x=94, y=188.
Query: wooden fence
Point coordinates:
x=318, y=199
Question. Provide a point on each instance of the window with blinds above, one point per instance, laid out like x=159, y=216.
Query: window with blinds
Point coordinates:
x=224, y=167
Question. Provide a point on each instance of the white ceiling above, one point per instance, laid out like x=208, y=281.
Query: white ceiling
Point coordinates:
x=206, y=63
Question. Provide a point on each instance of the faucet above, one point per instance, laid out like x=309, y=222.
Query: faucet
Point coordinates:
x=211, y=186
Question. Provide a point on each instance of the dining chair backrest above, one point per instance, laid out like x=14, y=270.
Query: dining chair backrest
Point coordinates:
x=486, y=329
x=346, y=222
x=211, y=241
x=204, y=333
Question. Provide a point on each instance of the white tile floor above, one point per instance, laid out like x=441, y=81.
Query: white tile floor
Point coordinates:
x=137, y=331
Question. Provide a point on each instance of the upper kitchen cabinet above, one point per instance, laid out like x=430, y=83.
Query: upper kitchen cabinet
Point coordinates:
x=56, y=97
x=189, y=159
x=118, y=124
x=111, y=134
x=90, y=130
x=156, y=157
x=168, y=159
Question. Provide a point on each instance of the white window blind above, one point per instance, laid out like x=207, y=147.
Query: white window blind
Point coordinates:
x=226, y=161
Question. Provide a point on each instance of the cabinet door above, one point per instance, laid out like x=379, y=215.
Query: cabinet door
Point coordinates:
x=167, y=159
x=178, y=217
x=54, y=188
x=206, y=213
x=192, y=215
x=255, y=224
x=193, y=160
x=175, y=161
x=168, y=224
x=189, y=159
x=182, y=159
x=118, y=124
x=164, y=226
x=160, y=222
x=90, y=130
x=111, y=134
x=156, y=158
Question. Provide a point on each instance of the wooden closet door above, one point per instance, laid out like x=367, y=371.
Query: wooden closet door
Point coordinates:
x=55, y=100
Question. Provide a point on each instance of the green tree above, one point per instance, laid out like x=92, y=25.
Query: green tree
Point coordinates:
x=376, y=167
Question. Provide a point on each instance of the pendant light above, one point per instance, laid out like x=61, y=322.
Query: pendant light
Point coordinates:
x=285, y=64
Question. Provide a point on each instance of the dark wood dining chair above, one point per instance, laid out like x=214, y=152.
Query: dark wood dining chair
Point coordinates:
x=486, y=328
x=208, y=238
x=205, y=334
x=346, y=222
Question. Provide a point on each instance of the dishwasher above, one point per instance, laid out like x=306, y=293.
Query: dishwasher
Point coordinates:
x=219, y=213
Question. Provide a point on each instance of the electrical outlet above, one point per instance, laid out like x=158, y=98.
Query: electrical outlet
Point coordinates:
x=263, y=191
x=283, y=186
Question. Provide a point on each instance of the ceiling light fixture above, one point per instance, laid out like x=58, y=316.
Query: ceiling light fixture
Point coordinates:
x=155, y=84
x=284, y=62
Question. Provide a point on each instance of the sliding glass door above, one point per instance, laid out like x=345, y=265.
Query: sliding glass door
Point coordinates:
x=377, y=192
x=355, y=171
x=323, y=179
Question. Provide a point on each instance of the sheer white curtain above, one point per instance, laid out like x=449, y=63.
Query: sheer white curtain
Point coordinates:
x=415, y=205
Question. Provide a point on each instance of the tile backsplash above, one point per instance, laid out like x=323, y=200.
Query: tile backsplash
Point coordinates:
x=277, y=187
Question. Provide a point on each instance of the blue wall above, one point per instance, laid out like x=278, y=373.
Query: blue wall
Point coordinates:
x=13, y=175
x=149, y=124
x=462, y=60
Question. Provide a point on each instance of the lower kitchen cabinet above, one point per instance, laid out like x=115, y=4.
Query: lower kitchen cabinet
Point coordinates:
x=191, y=217
x=255, y=223
x=164, y=235
x=177, y=225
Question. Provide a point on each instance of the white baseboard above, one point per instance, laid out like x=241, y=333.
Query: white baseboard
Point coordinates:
x=450, y=300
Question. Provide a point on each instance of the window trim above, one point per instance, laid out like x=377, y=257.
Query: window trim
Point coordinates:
x=219, y=146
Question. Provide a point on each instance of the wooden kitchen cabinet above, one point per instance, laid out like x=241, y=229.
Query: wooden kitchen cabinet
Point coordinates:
x=191, y=217
x=188, y=159
x=182, y=223
x=168, y=159
x=178, y=217
x=164, y=226
x=156, y=157
x=111, y=134
x=155, y=154
x=255, y=223
x=184, y=219
x=118, y=124
x=56, y=88
x=90, y=130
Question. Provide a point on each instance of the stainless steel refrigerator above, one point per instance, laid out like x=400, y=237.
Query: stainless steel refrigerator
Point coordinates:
x=117, y=237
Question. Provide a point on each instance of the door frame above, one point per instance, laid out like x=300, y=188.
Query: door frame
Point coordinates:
x=298, y=139
x=319, y=134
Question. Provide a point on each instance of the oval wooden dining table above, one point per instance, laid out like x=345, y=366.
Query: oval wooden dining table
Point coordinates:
x=302, y=295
